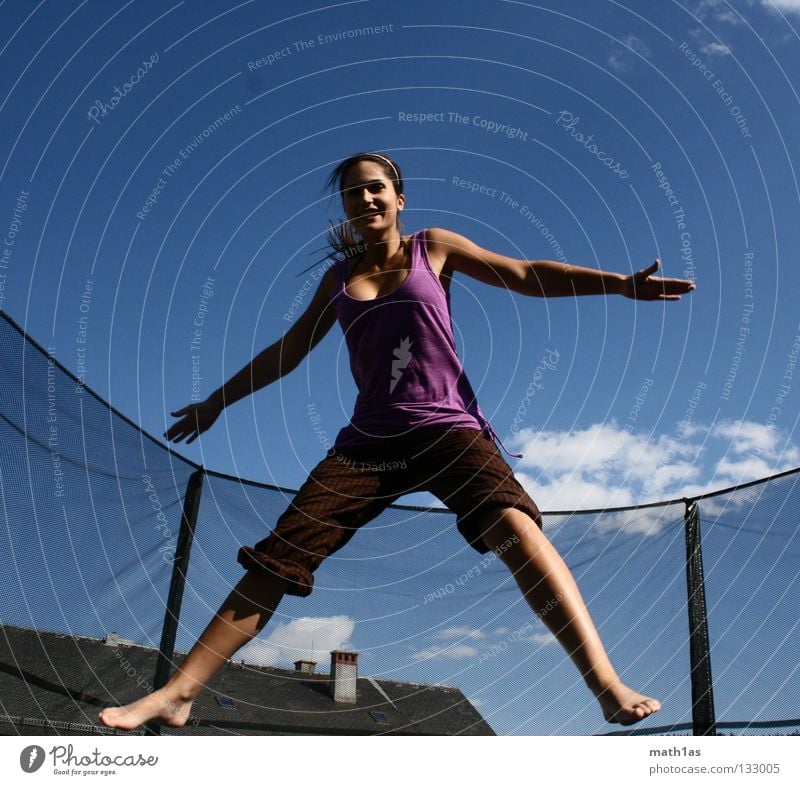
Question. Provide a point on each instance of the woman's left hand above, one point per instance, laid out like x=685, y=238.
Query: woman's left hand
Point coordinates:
x=643, y=286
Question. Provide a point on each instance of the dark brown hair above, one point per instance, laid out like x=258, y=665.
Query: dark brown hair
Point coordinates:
x=344, y=241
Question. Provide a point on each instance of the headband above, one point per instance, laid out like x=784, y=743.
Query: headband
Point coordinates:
x=393, y=167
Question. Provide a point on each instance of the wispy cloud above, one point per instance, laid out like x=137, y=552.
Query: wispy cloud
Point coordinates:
x=788, y=6
x=718, y=10
x=543, y=639
x=459, y=632
x=481, y=646
x=714, y=48
x=456, y=652
x=294, y=641
x=622, y=60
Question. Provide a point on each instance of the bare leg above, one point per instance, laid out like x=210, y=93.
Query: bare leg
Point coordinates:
x=240, y=618
x=547, y=583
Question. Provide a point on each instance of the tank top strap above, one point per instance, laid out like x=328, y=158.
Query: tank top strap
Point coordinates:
x=419, y=252
x=341, y=270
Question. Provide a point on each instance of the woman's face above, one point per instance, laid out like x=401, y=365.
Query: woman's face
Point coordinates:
x=370, y=201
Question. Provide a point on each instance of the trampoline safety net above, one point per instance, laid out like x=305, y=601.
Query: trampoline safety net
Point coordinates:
x=92, y=508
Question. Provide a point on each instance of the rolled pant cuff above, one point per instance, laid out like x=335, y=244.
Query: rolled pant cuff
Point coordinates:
x=299, y=580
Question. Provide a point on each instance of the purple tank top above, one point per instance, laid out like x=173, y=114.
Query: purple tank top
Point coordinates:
x=403, y=359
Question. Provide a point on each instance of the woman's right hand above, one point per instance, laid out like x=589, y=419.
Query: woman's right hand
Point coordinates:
x=197, y=418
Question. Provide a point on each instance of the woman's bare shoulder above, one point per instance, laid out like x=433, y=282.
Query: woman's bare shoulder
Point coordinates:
x=440, y=243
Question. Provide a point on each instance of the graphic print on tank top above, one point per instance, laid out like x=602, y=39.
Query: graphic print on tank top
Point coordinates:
x=403, y=358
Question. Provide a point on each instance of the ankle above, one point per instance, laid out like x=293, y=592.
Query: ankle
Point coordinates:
x=179, y=689
x=600, y=683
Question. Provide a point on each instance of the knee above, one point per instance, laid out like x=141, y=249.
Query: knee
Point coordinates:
x=503, y=529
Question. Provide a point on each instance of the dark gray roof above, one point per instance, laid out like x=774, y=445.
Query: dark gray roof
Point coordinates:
x=55, y=684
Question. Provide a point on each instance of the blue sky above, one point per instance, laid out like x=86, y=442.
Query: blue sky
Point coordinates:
x=161, y=190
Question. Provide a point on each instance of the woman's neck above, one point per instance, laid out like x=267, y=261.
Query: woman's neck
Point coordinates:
x=382, y=248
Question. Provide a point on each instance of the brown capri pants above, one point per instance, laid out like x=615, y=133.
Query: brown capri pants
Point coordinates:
x=352, y=486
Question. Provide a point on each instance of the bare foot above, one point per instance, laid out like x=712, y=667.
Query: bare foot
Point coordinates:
x=626, y=706
x=156, y=706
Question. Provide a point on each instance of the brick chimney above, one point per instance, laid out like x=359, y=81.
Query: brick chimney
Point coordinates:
x=305, y=666
x=344, y=674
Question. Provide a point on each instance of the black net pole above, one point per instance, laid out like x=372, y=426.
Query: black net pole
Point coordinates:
x=180, y=566
x=703, y=718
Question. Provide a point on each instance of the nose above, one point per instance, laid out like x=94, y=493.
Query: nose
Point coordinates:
x=365, y=196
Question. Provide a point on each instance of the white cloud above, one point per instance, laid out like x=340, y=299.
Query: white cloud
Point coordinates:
x=447, y=653
x=709, y=44
x=617, y=61
x=605, y=465
x=732, y=11
x=790, y=6
x=621, y=60
x=713, y=48
x=719, y=10
x=293, y=641
x=458, y=632
x=543, y=638
x=637, y=45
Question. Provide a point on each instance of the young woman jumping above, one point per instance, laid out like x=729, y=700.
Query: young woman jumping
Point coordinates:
x=416, y=426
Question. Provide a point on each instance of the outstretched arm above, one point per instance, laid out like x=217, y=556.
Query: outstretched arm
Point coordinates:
x=274, y=362
x=547, y=278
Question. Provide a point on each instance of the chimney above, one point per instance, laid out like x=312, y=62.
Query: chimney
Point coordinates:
x=344, y=673
x=305, y=666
